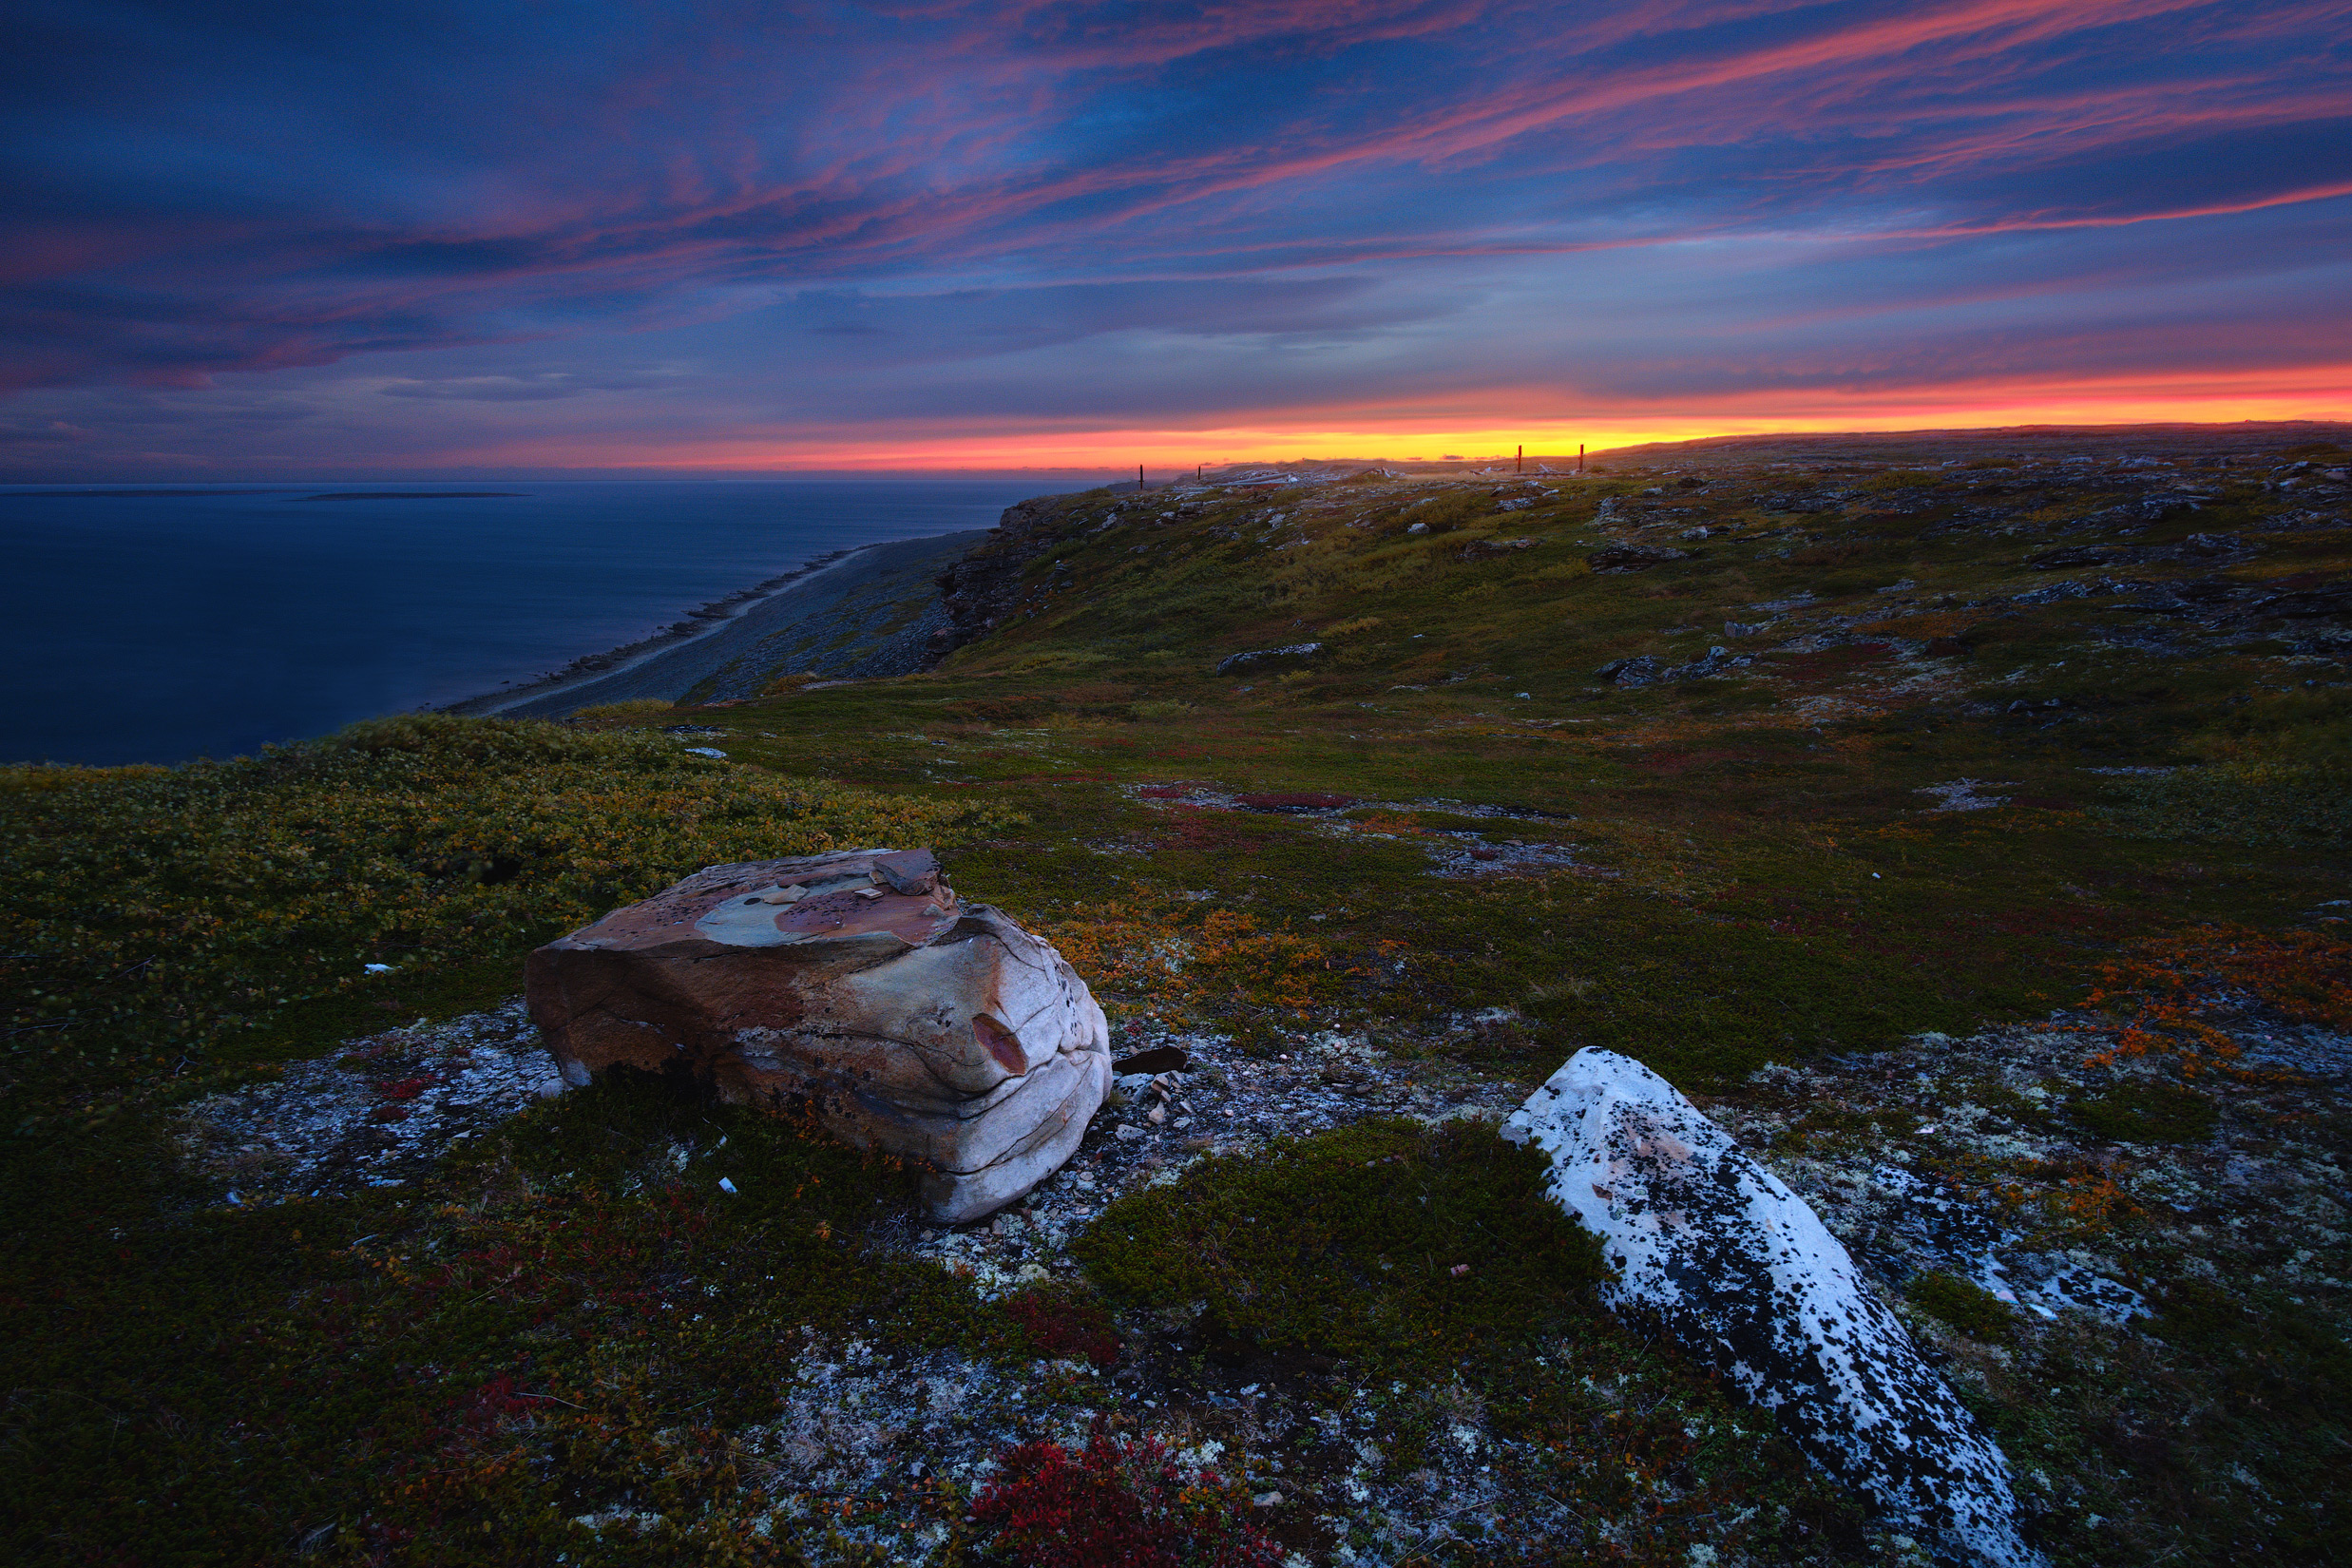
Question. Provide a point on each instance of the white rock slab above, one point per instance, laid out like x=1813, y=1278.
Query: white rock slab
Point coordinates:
x=1744, y=1275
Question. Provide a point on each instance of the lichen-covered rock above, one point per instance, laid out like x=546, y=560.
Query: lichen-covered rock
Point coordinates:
x=858, y=984
x=1743, y=1273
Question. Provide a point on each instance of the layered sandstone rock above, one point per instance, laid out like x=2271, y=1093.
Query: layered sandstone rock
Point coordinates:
x=855, y=983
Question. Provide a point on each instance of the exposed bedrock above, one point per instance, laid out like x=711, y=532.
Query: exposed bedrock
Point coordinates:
x=981, y=589
x=856, y=984
x=1744, y=1276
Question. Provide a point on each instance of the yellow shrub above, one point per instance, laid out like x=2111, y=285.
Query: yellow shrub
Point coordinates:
x=635, y=708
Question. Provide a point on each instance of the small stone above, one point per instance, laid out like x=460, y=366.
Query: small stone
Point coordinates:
x=1127, y=1131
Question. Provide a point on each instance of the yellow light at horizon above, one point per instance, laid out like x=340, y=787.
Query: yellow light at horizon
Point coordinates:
x=1370, y=433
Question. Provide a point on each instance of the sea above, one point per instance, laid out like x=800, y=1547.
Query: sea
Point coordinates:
x=166, y=622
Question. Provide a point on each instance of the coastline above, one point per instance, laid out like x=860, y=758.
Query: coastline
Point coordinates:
x=851, y=613
x=589, y=669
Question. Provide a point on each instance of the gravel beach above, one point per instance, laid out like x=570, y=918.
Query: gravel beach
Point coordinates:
x=867, y=613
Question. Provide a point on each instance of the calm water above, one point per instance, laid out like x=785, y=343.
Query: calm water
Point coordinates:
x=154, y=628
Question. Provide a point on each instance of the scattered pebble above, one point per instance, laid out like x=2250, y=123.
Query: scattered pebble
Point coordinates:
x=376, y=1112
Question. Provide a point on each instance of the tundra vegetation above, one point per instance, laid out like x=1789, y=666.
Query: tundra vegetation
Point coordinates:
x=1985, y=821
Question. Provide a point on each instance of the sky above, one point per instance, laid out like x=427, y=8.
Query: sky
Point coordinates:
x=546, y=236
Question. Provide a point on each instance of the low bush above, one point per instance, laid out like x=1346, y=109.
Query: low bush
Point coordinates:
x=571, y=1317
x=634, y=708
x=2148, y=1113
x=1065, y=1323
x=1966, y=1305
x=1118, y=1503
x=2285, y=804
x=1387, y=1241
x=155, y=911
x=1001, y=709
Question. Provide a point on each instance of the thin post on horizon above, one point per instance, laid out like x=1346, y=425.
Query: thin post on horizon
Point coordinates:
x=1580, y=457
x=1139, y=476
x=1519, y=459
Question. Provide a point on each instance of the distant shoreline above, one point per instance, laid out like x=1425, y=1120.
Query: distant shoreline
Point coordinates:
x=713, y=617
x=419, y=495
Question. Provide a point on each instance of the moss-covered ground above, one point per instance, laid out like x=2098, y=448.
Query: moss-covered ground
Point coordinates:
x=1981, y=744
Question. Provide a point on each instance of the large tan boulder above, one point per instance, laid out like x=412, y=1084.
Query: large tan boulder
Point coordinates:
x=856, y=984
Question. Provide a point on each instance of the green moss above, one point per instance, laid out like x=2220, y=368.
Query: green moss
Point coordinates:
x=2289, y=804
x=1388, y=1243
x=2148, y=1113
x=1966, y=1305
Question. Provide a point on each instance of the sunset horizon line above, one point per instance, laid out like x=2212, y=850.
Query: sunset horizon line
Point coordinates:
x=1155, y=451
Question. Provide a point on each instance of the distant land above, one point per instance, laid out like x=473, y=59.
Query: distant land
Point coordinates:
x=2245, y=437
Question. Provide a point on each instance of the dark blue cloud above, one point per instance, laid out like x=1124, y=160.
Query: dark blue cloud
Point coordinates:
x=731, y=212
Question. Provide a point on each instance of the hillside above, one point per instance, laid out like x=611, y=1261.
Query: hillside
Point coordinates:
x=1970, y=839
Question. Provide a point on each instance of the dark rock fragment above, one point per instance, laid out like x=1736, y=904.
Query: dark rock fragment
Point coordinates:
x=2072, y=555
x=1632, y=558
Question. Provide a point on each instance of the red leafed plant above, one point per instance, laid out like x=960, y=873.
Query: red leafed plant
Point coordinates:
x=1120, y=1504
x=1295, y=802
x=1059, y=1324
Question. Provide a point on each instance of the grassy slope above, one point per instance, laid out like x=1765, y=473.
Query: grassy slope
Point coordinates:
x=1757, y=881
x=1765, y=884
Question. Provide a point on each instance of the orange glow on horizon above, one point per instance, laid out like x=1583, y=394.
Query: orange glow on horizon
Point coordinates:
x=1476, y=429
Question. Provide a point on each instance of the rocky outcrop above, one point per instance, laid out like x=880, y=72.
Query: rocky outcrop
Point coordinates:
x=1741, y=1271
x=1646, y=671
x=1632, y=672
x=980, y=591
x=856, y=984
x=1632, y=558
x=1296, y=650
